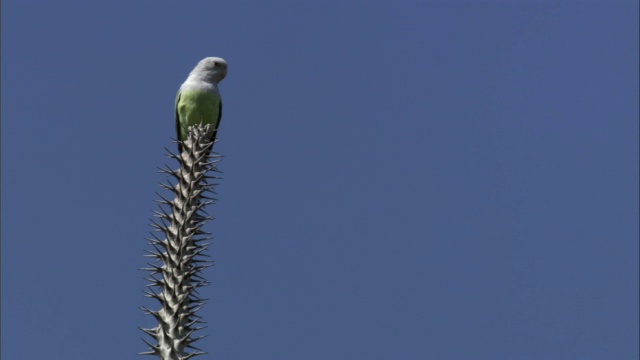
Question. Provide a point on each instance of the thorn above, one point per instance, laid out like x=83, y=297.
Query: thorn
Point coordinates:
x=165, y=200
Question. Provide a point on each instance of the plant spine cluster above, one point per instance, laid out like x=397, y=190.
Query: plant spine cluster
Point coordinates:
x=178, y=255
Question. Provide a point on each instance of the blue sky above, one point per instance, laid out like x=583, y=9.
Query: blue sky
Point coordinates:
x=402, y=180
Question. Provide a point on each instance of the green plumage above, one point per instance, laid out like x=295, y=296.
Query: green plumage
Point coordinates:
x=195, y=107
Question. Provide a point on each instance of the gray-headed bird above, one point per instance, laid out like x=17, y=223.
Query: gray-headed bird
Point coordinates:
x=198, y=100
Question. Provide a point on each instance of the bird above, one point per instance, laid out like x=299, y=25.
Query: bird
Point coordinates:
x=198, y=99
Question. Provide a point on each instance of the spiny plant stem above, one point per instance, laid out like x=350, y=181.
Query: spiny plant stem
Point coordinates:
x=178, y=254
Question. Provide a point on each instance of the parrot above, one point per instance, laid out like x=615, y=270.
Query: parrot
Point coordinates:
x=198, y=99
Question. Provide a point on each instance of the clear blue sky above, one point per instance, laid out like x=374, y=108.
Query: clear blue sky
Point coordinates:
x=402, y=180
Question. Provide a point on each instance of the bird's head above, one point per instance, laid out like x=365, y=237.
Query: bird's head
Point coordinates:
x=212, y=68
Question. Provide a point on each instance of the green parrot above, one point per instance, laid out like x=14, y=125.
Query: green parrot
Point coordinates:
x=198, y=99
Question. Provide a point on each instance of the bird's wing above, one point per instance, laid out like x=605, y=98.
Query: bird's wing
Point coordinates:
x=215, y=131
x=178, y=132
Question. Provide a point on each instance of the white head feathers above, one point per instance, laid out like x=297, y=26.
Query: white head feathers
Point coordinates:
x=211, y=69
